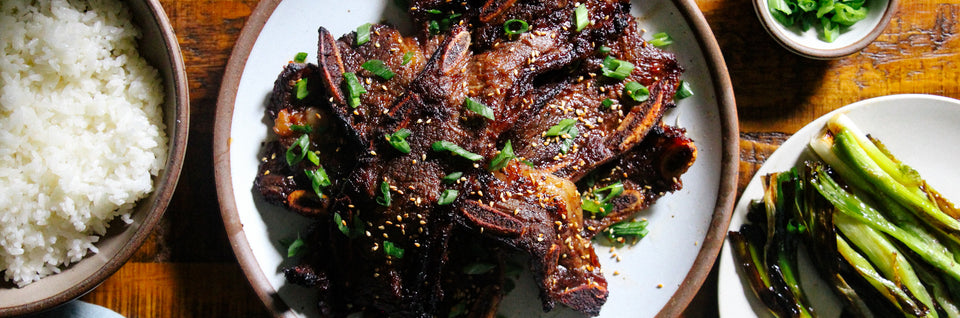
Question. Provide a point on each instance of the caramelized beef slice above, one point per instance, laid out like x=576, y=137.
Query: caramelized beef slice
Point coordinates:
x=539, y=213
x=601, y=132
x=473, y=279
x=278, y=181
x=339, y=56
x=486, y=18
x=647, y=172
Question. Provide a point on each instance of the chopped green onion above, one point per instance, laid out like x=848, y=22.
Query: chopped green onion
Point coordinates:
x=581, y=17
x=318, y=179
x=341, y=225
x=434, y=11
x=378, y=68
x=452, y=178
x=604, y=49
x=434, y=27
x=684, y=90
x=447, y=196
x=616, y=69
x=607, y=103
x=313, y=158
x=353, y=232
x=354, y=89
x=300, y=58
x=636, y=91
x=363, y=34
x=406, y=58
x=302, y=88
x=600, y=203
x=305, y=129
x=478, y=268
x=567, y=130
x=293, y=158
x=295, y=247
x=515, y=27
x=561, y=127
x=502, y=158
x=399, y=140
x=636, y=229
x=444, y=145
x=661, y=39
x=528, y=163
x=478, y=108
x=392, y=250
x=384, y=198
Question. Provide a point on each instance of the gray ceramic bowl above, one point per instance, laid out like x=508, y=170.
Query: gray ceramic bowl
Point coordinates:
x=159, y=46
x=809, y=44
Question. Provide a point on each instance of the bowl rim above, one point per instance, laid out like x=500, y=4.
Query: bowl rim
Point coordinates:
x=163, y=188
x=710, y=248
x=771, y=26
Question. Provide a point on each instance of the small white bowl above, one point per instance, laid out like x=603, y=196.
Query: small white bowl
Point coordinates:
x=809, y=44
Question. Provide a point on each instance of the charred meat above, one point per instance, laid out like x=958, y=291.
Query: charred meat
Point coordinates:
x=423, y=158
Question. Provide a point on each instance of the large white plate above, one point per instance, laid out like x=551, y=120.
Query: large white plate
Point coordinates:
x=663, y=271
x=919, y=129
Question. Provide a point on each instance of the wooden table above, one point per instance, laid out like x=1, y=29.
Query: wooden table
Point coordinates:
x=187, y=269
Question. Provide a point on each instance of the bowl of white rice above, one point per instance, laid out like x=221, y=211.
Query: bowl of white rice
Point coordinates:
x=93, y=129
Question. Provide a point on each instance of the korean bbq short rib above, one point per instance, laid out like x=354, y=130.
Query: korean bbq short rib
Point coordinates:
x=497, y=127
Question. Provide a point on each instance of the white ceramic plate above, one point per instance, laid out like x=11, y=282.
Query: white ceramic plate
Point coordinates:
x=663, y=271
x=919, y=129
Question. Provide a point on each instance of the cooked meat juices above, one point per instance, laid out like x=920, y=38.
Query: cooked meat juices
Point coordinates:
x=409, y=173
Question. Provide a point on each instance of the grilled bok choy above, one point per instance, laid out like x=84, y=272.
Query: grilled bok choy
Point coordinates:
x=885, y=241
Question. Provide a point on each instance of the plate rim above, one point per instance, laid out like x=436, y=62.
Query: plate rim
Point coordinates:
x=808, y=128
x=713, y=240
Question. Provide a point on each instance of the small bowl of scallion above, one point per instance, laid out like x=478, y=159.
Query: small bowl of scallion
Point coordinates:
x=824, y=29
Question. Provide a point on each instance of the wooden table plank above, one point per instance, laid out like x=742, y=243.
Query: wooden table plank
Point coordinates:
x=187, y=269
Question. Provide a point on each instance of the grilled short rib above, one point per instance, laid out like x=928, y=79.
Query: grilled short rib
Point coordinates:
x=397, y=259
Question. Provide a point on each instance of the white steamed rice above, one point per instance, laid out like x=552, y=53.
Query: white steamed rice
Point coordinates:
x=81, y=130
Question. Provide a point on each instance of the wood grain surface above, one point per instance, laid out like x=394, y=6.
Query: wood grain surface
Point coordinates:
x=187, y=269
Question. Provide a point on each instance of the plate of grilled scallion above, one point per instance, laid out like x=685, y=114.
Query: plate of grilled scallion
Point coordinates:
x=850, y=216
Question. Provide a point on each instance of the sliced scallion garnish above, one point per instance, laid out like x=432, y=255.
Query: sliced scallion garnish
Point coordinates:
x=293, y=157
x=318, y=179
x=384, y=198
x=295, y=247
x=635, y=229
x=444, y=145
x=302, y=91
x=305, y=129
x=616, y=69
x=501, y=159
x=515, y=27
x=363, y=34
x=406, y=58
x=636, y=91
x=378, y=68
x=581, y=17
x=300, y=58
x=567, y=130
x=604, y=49
x=354, y=89
x=478, y=108
x=392, y=250
x=684, y=90
x=398, y=140
x=452, y=178
x=448, y=196
x=606, y=103
x=661, y=39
